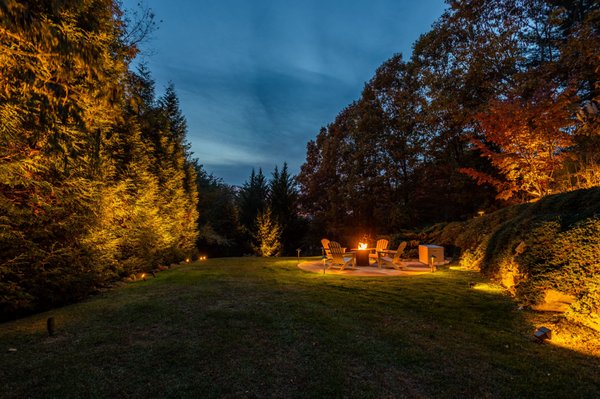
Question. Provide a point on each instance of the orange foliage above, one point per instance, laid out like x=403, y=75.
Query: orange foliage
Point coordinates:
x=525, y=140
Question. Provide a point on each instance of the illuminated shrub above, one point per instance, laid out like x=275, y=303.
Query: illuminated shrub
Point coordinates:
x=553, y=244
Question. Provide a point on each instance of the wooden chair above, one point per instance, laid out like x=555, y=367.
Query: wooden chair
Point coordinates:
x=339, y=258
x=326, y=251
x=384, y=257
x=381, y=245
x=325, y=243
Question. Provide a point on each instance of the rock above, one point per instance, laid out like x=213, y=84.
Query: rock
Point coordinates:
x=554, y=301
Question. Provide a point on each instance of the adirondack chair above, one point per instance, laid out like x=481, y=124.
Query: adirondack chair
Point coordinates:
x=326, y=251
x=325, y=243
x=381, y=245
x=391, y=258
x=339, y=258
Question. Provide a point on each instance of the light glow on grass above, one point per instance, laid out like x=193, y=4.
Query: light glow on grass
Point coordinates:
x=490, y=288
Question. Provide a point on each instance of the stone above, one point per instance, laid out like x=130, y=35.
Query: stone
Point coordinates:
x=554, y=301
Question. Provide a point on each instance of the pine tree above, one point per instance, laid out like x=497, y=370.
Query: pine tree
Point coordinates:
x=283, y=201
x=220, y=232
x=253, y=199
x=60, y=100
x=268, y=234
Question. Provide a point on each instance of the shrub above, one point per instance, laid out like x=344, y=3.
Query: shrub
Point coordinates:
x=531, y=248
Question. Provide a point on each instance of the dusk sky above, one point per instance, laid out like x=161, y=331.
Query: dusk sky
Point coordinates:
x=257, y=79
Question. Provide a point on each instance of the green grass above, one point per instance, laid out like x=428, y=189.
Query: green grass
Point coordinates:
x=257, y=327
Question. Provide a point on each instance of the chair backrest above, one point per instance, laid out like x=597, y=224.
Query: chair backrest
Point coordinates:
x=398, y=253
x=381, y=245
x=325, y=243
x=337, y=253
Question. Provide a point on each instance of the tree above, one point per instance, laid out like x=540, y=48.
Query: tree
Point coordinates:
x=220, y=232
x=526, y=140
x=268, y=234
x=93, y=180
x=60, y=99
x=283, y=201
x=253, y=198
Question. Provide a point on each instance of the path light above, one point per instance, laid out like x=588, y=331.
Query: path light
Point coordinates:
x=543, y=333
x=480, y=213
x=187, y=260
x=324, y=258
x=50, y=326
x=298, y=251
x=432, y=263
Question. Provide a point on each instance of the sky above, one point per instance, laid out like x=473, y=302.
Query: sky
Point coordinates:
x=257, y=79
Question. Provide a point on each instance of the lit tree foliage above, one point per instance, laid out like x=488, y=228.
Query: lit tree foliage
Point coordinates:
x=60, y=66
x=268, y=234
x=283, y=202
x=511, y=77
x=86, y=192
x=252, y=200
x=526, y=140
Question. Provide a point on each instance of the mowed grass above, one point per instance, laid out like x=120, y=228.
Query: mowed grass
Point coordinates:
x=252, y=327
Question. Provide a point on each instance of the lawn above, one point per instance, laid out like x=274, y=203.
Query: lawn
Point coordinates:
x=253, y=327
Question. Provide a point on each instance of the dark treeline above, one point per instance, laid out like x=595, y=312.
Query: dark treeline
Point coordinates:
x=498, y=104
x=96, y=180
x=261, y=217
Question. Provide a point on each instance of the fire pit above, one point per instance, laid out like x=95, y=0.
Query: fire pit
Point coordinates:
x=362, y=254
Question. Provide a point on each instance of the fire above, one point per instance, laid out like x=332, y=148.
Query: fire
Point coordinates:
x=362, y=245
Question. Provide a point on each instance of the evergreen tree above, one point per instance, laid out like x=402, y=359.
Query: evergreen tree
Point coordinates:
x=60, y=100
x=94, y=183
x=253, y=198
x=220, y=233
x=267, y=234
x=283, y=201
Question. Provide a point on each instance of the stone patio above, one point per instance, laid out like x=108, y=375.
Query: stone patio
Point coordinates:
x=411, y=267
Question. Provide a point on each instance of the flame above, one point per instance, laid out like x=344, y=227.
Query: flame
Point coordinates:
x=362, y=245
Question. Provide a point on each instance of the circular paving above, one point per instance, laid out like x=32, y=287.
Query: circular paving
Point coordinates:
x=410, y=268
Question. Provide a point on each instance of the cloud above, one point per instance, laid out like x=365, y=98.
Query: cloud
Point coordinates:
x=258, y=79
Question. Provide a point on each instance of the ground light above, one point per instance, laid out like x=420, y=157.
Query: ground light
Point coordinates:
x=543, y=333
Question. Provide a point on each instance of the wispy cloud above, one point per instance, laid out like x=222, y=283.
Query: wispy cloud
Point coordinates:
x=257, y=79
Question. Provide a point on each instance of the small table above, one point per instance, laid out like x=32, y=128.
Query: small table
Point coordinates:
x=427, y=251
x=362, y=256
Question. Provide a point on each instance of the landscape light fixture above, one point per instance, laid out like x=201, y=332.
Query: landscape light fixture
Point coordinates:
x=50, y=326
x=543, y=333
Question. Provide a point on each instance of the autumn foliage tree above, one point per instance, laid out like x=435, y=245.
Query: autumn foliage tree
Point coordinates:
x=526, y=140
